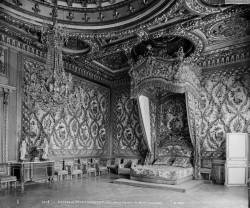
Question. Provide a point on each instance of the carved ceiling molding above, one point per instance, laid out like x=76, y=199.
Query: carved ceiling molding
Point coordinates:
x=223, y=30
x=197, y=7
x=93, y=71
x=233, y=69
x=20, y=45
x=175, y=11
x=114, y=62
x=126, y=13
x=170, y=12
x=200, y=22
x=96, y=13
x=87, y=70
x=191, y=26
x=225, y=56
x=94, y=47
x=123, y=33
x=194, y=38
x=124, y=81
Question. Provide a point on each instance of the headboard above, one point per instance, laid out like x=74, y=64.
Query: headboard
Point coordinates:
x=175, y=151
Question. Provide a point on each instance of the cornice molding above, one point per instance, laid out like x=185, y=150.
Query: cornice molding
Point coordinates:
x=225, y=56
x=186, y=27
x=166, y=13
x=96, y=22
x=89, y=71
x=9, y=41
x=198, y=7
x=233, y=68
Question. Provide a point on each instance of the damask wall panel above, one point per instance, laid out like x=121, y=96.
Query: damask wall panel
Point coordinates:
x=225, y=107
x=79, y=129
x=153, y=122
x=173, y=123
x=127, y=132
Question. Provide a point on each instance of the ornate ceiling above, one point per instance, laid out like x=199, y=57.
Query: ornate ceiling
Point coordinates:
x=89, y=15
x=106, y=36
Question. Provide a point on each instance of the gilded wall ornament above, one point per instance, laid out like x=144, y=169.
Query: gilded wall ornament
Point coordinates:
x=3, y=61
x=199, y=8
x=235, y=27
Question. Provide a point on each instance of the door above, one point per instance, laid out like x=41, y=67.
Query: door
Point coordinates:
x=236, y=168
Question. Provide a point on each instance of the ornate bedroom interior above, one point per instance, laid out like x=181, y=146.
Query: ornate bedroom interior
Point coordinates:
x=128, y=97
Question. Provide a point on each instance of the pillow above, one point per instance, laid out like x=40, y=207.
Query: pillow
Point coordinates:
x=164, y=161
x=128, y=164
x=183, y=162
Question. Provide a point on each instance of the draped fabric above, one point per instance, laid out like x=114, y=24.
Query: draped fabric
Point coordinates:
x=145, y=116
x=194, y=118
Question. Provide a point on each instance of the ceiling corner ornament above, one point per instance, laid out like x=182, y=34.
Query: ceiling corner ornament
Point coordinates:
x=224, y=29
x=36, y=8
x=94, y=47
x=127, y=51
x=199, y=8
x=174, y=11
x=51, y=86
x=142, y=34
x=17, y=3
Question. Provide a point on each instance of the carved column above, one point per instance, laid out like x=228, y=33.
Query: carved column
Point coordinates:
x=4, y=95
x=1, y=124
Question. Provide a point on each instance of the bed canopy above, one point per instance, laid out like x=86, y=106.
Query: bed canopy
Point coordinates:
x=153, y=76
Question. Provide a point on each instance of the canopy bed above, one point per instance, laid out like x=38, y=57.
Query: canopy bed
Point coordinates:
x=173, y=168
x=157, y=76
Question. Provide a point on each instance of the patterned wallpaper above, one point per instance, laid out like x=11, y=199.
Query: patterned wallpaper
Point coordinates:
x=173, y=123
x=225, y=107
x=80, y=129
x=153, y=121
x=127, y=132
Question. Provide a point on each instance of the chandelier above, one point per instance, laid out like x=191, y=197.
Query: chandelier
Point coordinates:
x=55, y=83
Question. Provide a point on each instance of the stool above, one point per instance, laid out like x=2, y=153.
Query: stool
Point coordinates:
x=206, y=171
x=8, y=180
x=91, y=170
x=77, y=173
x=61, y=174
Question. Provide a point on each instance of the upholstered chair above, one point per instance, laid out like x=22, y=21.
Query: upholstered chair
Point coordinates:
x=206, y=168
x=125, y=166
x=73, y=169
x=5, y=177
x=101, y=165
x=113, y=165
x=60, y=170
x=89, y=165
